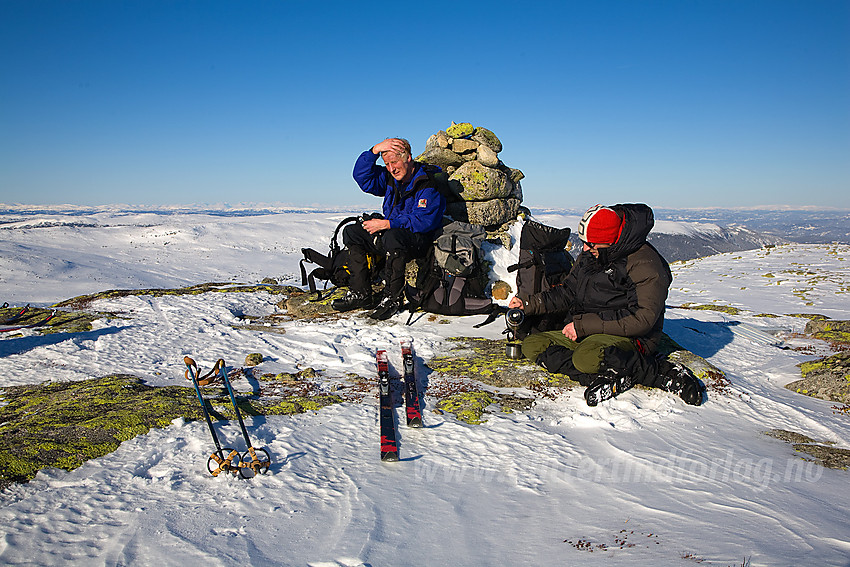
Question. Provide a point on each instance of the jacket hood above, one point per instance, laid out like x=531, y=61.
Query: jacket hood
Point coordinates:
x=638, y=222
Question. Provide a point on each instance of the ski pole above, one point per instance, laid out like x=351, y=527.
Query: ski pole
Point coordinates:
x=217, y=462
x=250, y=460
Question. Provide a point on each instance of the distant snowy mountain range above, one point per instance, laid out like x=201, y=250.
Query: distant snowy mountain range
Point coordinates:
x=684, y=234
x=679, y=234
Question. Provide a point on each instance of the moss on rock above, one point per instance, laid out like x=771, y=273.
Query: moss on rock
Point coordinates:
x=461, y=130
x=721, y=308
x=60, y=322
x=830, y=330
x=827, y=378
x=822, y=452
x=83, y=301
x=64, y=424
x=303, y=305
x=484, y=360
x=301, y=404
x=253, y=359
x=467, y=406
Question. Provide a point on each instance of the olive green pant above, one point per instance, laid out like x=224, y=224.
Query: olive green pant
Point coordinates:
x=587, y=353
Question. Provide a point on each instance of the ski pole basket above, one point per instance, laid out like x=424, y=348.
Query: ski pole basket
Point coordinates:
x=255, y=460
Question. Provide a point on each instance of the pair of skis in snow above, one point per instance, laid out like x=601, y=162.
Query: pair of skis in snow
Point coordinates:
x=227, y=460
x=389, y=434
x=11, y=323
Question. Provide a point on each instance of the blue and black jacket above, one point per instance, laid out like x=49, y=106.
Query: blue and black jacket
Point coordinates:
x=418, y=206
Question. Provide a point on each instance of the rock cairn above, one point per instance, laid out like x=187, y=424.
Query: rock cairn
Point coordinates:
x=484, y=190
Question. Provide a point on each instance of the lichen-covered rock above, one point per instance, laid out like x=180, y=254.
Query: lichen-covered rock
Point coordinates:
x=487, y=156
x=487, y=138
x=49, y=321
x=461, y=130
x=485, y=213
x=64, y=424
x=438, y=140
x=464, y=146
x=301, y=404
x=829, y=457
x=84, y=301
x=517, y=192
x=481, y=183
x=829, y=330
x=469, y=156
x=467, y=406
x=823, y=453
x=306, y=306
x=253, y=359
x=826, y=378
x=501, y=290
x=441, y=157
x=485, y=360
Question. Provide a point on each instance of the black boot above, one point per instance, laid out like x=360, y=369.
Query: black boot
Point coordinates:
x=388, y=306
x=391, y=302
x=354, y=300
x=677, y=379
x=609, y=384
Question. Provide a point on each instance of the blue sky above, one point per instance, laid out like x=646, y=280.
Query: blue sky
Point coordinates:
x=684, y=103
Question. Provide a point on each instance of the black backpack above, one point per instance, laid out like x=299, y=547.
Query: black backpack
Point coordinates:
x=448, y=188
x=333, y=267
x=543, y=263
x=450, y=281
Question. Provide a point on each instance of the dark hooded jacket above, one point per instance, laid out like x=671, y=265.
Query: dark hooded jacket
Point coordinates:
x=621, y=293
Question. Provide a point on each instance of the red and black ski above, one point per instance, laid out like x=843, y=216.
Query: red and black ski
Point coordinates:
x=411, y=391
x=389, y=441
x=17, y=327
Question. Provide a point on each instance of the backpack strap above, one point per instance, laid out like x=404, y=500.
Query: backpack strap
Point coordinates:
x=325, y=262
x=430, y=285
x=494, y=314
x=335, y=247
x=526, y=264
x=310, y=279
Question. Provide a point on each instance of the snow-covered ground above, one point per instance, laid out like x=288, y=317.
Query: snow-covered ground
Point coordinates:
x=652, y=480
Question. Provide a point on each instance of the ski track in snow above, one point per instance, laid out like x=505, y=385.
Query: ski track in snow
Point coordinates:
x=668, y=482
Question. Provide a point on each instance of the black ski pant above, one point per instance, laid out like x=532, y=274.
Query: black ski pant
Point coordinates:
x=395, y=246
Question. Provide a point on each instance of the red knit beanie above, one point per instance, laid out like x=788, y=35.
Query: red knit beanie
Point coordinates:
x=600, y=225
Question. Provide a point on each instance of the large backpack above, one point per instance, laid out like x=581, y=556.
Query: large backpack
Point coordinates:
x=450, y=281
x=333, y=267
x=543, y=263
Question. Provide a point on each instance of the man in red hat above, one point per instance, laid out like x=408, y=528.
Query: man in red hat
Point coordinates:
x=613, y=309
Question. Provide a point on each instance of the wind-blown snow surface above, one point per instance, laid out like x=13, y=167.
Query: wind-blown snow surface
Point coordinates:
x=655, y=481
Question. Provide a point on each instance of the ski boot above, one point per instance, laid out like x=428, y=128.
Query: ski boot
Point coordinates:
x=389, y=306
x=354, y=300
x=678, y=379
x=609, y=384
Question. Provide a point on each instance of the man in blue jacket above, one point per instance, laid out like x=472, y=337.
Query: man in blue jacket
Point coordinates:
x=412, y=212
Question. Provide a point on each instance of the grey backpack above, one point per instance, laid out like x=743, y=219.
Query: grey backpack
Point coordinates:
x=458, y=248
x=450, y=283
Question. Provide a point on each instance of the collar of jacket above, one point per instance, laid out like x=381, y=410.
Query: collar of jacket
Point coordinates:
x=419, y=176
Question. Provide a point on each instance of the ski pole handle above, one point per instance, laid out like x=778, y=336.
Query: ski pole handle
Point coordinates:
x=191, y=368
